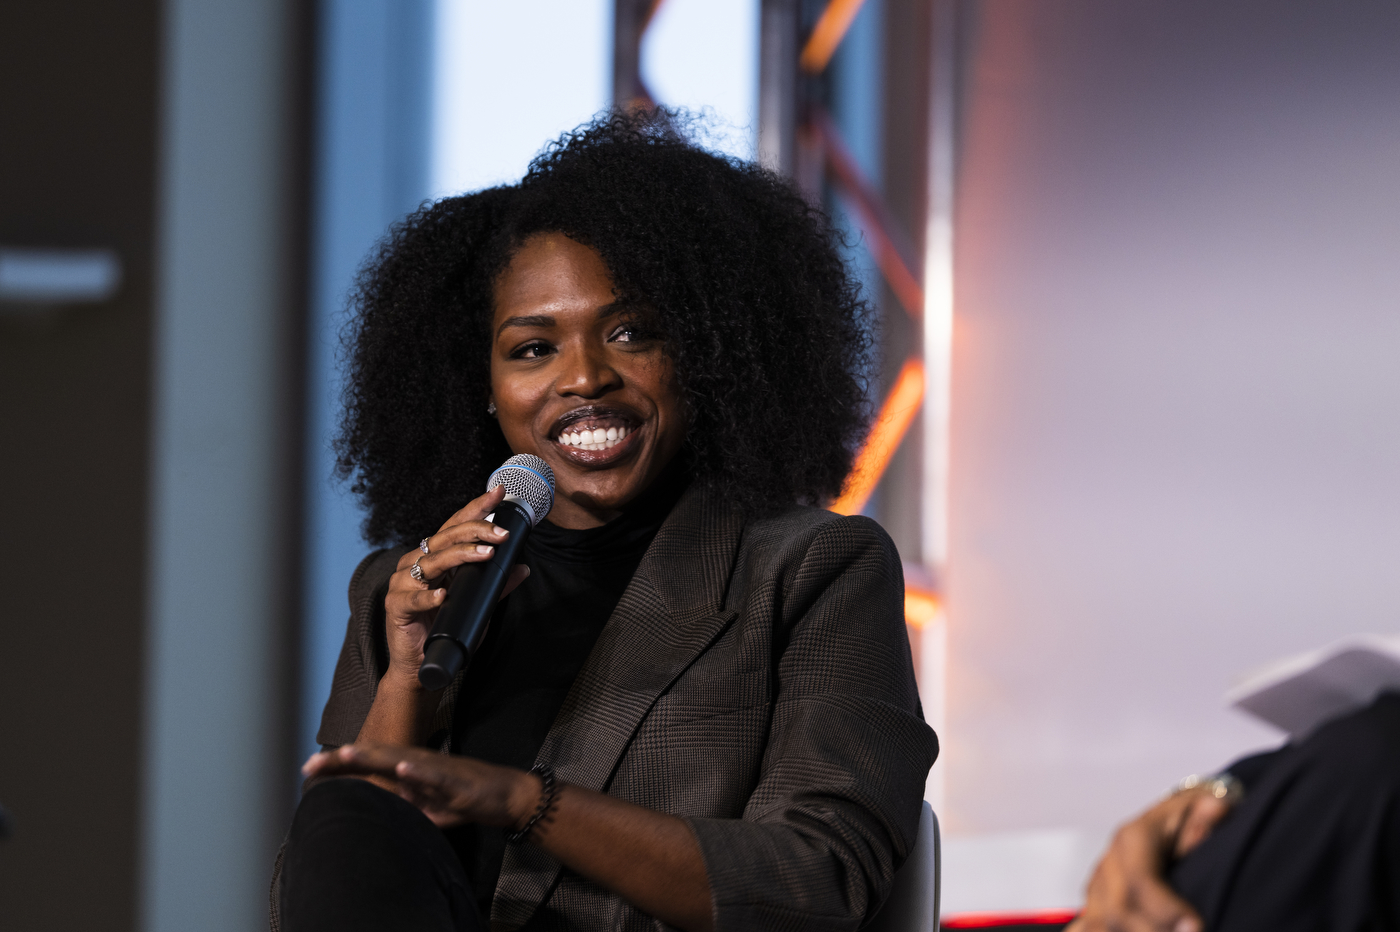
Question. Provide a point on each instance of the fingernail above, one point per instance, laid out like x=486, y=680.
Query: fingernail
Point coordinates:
x=502, y=532
x=439, y=593
x=484, y=548
x=1186, y=924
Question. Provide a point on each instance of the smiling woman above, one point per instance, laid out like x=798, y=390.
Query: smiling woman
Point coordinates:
x=578, y=380
x=696, y=705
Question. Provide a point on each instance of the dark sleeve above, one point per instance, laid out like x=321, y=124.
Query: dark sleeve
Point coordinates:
x=836, y=809
x=363, y=656
x=1250, y=770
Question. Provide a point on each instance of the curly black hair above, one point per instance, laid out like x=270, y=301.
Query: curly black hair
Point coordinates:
x=769, y=334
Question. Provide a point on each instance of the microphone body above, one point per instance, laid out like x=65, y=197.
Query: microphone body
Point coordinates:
x=471, y=599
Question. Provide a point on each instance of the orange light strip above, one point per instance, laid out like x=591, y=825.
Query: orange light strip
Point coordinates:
x=920, y=606
x=827, y=34
x=896, y=414
x=874, y=218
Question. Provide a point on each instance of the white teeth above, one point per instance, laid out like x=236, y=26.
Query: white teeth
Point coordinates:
x=598, y=438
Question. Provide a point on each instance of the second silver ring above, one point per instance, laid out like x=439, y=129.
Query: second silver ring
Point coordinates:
x=416, y=572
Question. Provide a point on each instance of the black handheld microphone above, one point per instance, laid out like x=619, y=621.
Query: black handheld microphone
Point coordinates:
x=471, y=599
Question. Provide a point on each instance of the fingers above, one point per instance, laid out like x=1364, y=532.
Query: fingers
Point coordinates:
x=1205, y=813
x=1127, y=892
x=416, y=601
x=421, y=790
x=358, y=760
x=1153, y=906
x=476, y=509
x=1161, y=910
x=468, y=542
x=429, y=788
x=424, y=779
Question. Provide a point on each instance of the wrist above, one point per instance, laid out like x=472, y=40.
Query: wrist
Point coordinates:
x=545, y=800
x=524, y=799
x=401, y=690
x=402, y=681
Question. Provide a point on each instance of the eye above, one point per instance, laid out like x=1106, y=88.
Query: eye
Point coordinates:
x=536, y=349
x=628, y=333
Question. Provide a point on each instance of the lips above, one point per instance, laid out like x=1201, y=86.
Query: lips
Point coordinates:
x=595, y=434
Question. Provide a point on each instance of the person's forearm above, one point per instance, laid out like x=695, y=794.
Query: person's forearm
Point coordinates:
x=400, y=716
x=649, y=858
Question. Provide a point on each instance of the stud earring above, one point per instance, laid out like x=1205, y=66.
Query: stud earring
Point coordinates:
x=491, y=408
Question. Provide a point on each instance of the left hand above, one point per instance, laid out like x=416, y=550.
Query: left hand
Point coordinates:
x=450, y=790
x=1128, y=891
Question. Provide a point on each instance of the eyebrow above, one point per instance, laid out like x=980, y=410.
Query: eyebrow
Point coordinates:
x=545, y=320
x=532, y=320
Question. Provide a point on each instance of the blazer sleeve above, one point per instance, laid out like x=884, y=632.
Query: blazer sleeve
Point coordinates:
x=363, y=655
x=837, y=804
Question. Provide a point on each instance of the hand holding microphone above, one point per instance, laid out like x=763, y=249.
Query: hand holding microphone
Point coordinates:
x=483, y=555
x=471, y=599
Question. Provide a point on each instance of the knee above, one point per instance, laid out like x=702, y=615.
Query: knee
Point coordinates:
x=349, y=806
x=343, y=795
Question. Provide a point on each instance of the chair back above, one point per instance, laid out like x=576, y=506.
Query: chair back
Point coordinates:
x=912, y=905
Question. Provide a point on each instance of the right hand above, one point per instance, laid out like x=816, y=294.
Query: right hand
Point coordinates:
x=1128, y=891
x=412, y=606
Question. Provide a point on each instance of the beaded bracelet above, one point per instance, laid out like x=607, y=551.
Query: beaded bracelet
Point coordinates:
x=546, y=776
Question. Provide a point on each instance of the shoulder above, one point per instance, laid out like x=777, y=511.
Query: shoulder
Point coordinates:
x=815, y=544
x=798, y=531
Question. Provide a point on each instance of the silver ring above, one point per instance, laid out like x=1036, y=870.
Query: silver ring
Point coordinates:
x=416, y=572
x=423, y=546
x=1222, y=786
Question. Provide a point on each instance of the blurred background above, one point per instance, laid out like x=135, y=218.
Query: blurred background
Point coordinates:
x=1138, y=271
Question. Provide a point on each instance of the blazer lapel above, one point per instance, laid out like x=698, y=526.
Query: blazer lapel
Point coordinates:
x=672, y=610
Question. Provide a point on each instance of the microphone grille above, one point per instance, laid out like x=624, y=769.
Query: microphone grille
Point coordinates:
x=528, y=480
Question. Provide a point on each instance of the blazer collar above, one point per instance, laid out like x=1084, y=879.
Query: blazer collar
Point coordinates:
x=671, y=611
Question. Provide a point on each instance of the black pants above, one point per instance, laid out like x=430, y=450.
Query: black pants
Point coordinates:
x=360, y=858
x=1314, y=846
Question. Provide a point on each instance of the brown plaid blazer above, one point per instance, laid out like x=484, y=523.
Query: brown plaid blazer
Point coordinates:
x=755, y=679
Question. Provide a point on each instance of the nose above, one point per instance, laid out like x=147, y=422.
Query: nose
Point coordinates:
x=586, y=373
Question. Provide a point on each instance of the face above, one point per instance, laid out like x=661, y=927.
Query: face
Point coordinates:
x=576, y=382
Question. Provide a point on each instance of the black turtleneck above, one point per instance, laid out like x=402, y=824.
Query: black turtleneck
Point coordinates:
x=537, y=643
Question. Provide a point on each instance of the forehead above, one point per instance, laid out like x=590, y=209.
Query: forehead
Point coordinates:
x=552, y=273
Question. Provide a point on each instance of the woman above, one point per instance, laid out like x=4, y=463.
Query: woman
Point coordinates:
x=699, y=707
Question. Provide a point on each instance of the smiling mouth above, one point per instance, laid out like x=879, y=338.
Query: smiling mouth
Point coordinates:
x=595, y=430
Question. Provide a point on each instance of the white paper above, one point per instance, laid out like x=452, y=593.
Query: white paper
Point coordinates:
x=1302, y=692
